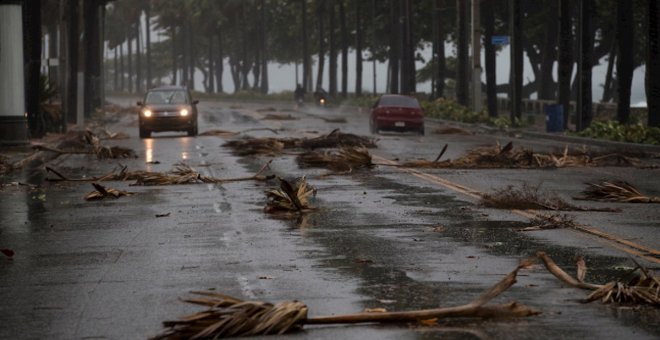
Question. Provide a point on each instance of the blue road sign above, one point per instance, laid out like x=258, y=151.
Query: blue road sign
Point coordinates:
x=499, y=40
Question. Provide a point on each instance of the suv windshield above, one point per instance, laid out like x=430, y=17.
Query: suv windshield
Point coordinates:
x=399, y=101
x=166, y=97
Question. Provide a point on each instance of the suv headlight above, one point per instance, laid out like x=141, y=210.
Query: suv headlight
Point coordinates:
x=147, y=113
x=183, y=112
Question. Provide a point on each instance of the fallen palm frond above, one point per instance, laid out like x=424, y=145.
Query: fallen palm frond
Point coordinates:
x=275, y=146
x=256, y=146
x=545, y=222
x=181, y=174
x=529, y=197
x=642, y=288
x=510, y=157
x=275, y=116
x=615, y=191
x=336, y=139
x=230, y=317
x=345, y=160
x=334, y=120
x=104, y=152
x=102, y=192
x=290, y=198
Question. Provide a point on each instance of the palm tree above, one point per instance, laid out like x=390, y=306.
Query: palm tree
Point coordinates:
x=565, y=57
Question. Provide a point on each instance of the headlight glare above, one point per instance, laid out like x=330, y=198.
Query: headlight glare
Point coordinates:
x=184, y=112
x=147, y=113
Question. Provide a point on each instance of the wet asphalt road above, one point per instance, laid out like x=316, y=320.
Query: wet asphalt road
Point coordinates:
x=382, y=238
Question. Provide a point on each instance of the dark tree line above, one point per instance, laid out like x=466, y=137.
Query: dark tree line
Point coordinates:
x=241, y=38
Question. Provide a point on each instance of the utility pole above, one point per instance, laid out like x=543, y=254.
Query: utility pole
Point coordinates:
x=476, y=56
x=13, y=123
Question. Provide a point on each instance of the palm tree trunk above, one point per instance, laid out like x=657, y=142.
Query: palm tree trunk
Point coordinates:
x=491, y=57
x=122, y=71
x=565, y=58
x=174, y=55
x=307, y=67
x=344, y=49
x=115, y=83
x=624, y=65
x=147, y=47
x=359, y=33
x=129, y=57
x=192, y=56
x=138, y=56
x=264, y=50
x=395, y=46
x=219, y=63
x=585, y=102
x=608, y=88
x=333, y=52
x=462, y=51
x=547, y=84
x=32, y=38
x=211, y=76
x=319, y=13
x=72, y=58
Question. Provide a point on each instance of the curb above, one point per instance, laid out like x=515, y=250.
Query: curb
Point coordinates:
x=611, y=145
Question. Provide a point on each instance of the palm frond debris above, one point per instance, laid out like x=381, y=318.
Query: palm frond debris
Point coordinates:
x=226, y=316
x=615, y=191
x=509, y=157
x=102, y=192
x=290, y=198
x=642, y=289
x=181, y=174
x=275, y=146
x=528, y=197
x=345, y=159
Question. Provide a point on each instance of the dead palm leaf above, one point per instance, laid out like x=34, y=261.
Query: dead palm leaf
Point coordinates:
x=528, y=197
x=643, y=288
x=290, y=198
x=615, y=191
x=346, y=159
x=102, y=192
x=336, y=139
x=227, y=316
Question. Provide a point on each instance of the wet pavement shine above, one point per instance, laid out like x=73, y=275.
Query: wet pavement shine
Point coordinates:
x=381, y=238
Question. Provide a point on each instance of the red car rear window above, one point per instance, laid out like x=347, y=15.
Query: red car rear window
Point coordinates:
x=399, y=101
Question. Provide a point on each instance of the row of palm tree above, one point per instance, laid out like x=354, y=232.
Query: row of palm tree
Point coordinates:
x=242, y=37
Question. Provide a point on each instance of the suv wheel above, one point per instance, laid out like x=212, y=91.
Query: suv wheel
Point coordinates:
x=145, y=133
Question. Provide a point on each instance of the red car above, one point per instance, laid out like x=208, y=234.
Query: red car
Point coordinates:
x=397, y=113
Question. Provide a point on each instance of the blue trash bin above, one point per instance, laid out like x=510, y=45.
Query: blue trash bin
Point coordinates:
x=554, y=118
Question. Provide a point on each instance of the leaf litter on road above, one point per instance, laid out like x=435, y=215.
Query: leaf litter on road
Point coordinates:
x=275, y=146
x=508, y=157
x=345, y=160
x=615, y=191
